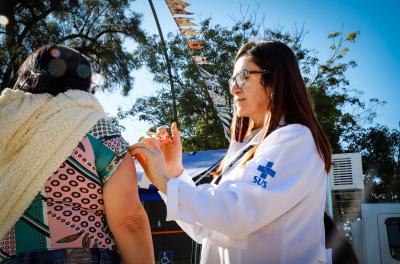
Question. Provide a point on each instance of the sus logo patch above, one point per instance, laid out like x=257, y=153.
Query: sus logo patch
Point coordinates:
x=265, y=171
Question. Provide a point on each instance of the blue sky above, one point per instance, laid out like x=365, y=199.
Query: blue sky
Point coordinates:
x=376, y=51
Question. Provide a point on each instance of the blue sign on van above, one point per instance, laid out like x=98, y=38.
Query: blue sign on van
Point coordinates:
x=165, y=257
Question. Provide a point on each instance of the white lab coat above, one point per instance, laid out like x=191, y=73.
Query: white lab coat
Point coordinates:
x=246, y=219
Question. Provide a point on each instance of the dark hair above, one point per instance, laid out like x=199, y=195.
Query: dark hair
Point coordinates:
x=287, y=95
x=54, y=69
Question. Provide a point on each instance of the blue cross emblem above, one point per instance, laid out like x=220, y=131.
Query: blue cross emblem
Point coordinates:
x=266, y=170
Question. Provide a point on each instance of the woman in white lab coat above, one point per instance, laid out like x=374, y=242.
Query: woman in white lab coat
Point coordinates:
x=267, y=201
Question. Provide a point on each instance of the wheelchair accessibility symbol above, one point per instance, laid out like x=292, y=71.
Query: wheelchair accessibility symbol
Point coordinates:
x=165, y=257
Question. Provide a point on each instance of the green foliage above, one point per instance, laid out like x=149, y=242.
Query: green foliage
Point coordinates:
x=334, y=35
x=380, y=149
x=201, y=128
x=96, y=28
x=352, y=36
x=326, y=82
x=339, y=108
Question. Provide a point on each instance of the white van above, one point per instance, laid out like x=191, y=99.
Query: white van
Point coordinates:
x=376, y=238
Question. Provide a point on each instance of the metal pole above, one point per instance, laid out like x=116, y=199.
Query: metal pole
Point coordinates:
x=397, y=170
x=164, y=47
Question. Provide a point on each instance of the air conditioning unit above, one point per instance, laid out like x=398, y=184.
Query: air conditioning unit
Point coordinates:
x=345, y=187
x=346, y=172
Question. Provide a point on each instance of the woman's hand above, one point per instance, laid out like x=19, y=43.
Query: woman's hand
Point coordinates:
x=171, y=148
x=151, y=158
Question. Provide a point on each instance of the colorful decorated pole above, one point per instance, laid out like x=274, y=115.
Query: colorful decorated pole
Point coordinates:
x=187, y=29
x=164, y=47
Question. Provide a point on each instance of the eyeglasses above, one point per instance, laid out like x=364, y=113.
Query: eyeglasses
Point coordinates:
x=240, y=78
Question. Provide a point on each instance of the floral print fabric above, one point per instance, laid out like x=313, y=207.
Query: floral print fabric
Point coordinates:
x=69, y=210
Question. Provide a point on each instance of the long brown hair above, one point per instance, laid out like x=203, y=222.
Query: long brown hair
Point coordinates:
x=287, y=95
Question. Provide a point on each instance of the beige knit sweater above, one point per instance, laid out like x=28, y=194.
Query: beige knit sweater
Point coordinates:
x=37, y=133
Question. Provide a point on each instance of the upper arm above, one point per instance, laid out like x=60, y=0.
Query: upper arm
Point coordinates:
x=121, y=197
x=109, y=148
x=115, y=168
x=125, y=214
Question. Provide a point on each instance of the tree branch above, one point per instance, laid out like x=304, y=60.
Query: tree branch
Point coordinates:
x=31, y=24
x=95, y=20
x=73, y=36
x=86, y=20
x=110, y=31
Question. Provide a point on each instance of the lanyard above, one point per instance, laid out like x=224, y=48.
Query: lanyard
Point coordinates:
x=230, y=165
x=242, y=153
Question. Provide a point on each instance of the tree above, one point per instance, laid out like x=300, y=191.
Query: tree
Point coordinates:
x=326, y=82
x=97, y=28
x=197, y=117
x=380, y=150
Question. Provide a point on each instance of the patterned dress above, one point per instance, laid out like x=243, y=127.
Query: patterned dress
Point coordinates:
x=69, y=210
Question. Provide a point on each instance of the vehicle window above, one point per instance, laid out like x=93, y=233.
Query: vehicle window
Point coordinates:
x=393, y=232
